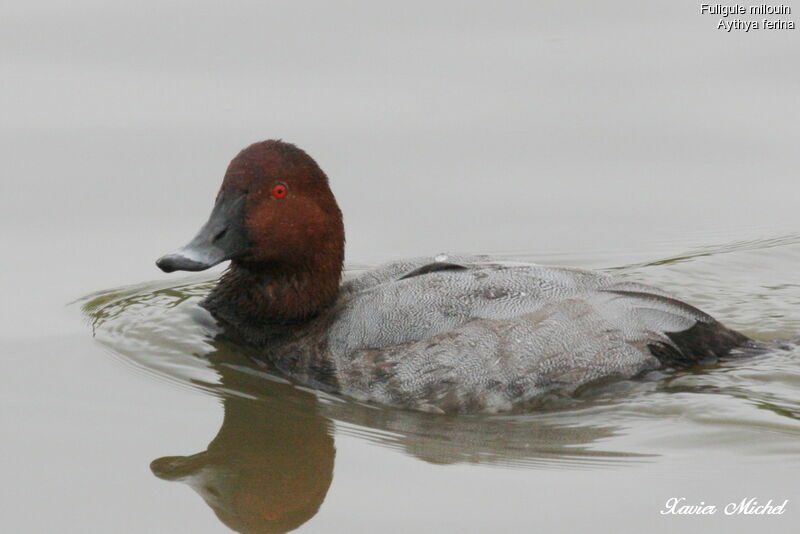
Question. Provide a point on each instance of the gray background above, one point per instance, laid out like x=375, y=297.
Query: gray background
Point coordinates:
x=592, y=133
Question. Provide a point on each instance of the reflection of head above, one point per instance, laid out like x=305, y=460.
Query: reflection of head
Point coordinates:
x=271, y=464
x=268, y=469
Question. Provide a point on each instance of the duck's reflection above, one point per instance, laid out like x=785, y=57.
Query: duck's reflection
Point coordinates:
x=271, y=464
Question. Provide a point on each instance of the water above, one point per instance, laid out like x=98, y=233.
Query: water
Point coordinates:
x=622, y=136
x=271, y=464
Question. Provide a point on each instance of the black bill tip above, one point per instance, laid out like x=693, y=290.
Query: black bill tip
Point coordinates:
x=221, y=238
x=178, y=262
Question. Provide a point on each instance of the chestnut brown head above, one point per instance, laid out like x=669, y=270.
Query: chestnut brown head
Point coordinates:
x=274, y=211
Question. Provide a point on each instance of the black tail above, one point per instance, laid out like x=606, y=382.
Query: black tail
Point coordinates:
x=707, y=342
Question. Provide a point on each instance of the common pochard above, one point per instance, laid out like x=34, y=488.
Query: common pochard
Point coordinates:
x=449, y=335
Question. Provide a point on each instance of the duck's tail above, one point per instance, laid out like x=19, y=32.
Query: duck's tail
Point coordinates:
x=682, y=335
x=708, y=342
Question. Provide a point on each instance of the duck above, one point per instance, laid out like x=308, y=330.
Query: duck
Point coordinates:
x=443, y=334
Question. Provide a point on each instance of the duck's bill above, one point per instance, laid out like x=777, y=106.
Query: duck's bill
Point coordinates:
x=223, y=237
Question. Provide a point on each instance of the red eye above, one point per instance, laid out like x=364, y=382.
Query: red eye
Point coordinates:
x=279, y=191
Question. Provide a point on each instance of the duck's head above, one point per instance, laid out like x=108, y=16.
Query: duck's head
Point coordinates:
x=274, y=210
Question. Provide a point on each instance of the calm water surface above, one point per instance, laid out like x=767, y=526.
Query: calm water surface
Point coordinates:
x=272, y=462
x=618, y=136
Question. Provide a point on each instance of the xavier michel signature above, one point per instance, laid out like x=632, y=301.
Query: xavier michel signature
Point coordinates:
x=747, y=506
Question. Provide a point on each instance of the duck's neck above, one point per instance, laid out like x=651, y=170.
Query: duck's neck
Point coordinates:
x=260, y=296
